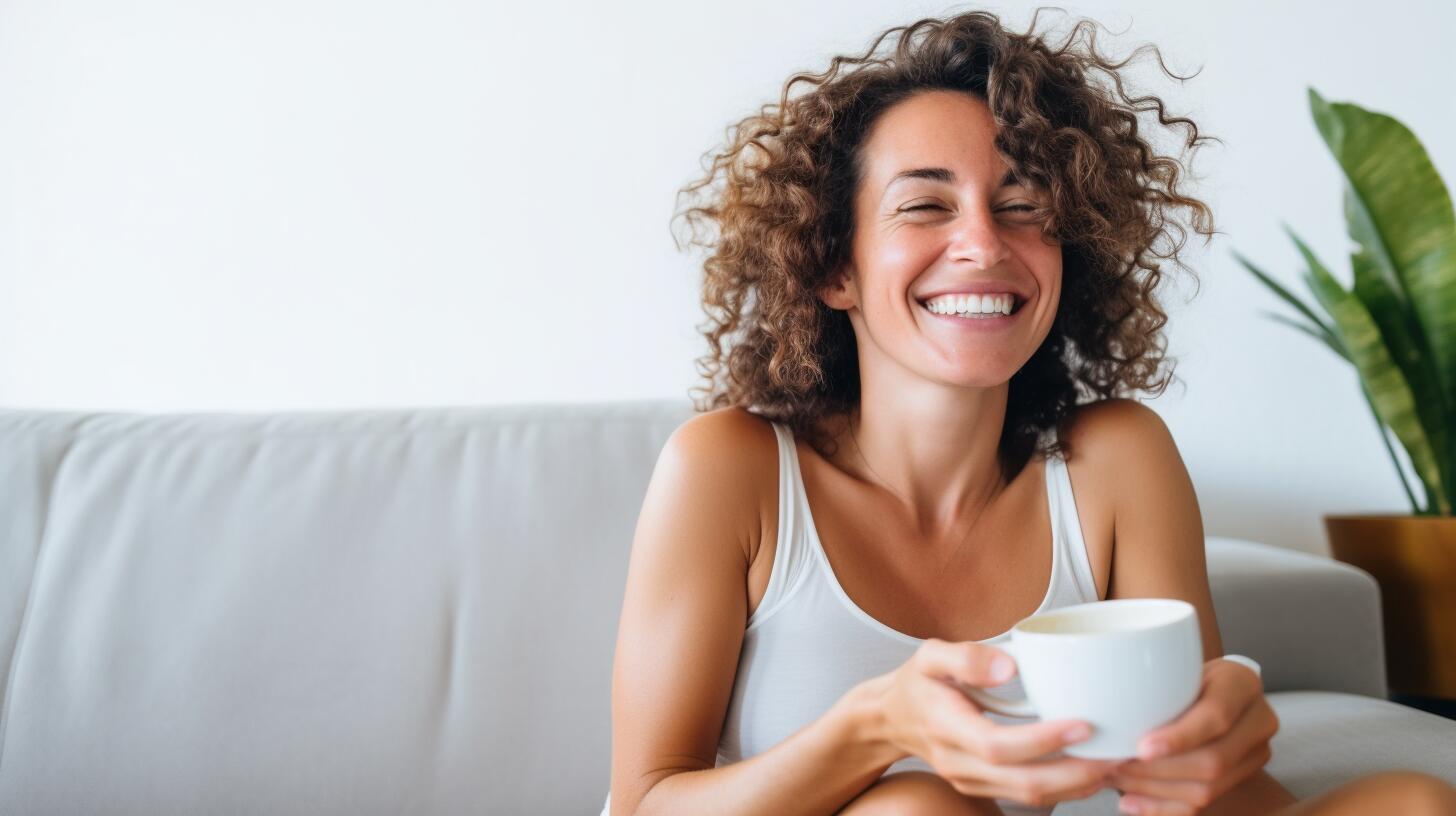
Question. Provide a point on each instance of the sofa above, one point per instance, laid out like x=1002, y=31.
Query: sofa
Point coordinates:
x=415, y=611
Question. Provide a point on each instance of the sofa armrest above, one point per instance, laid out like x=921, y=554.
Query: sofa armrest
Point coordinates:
x=1311, y=622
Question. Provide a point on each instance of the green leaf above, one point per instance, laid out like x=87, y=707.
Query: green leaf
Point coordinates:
x=1389, y=393
x=1400, y=214
x=1285, y=295
x=1330, y=340
x=1394, y=460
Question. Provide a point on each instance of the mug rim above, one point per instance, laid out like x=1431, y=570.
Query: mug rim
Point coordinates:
x=1185, y=608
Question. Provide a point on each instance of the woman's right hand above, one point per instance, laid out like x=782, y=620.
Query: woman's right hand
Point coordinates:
x=926, y=715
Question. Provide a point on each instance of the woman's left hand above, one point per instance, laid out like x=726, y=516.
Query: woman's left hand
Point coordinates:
x=1221, y=740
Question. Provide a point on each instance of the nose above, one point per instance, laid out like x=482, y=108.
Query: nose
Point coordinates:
x=976, y=238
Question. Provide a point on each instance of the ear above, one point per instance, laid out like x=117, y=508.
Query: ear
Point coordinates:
x=840, y=293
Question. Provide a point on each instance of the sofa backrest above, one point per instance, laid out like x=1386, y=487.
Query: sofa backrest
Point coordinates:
x=324, y=612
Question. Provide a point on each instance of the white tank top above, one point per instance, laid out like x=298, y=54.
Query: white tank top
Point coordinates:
x=807, y=643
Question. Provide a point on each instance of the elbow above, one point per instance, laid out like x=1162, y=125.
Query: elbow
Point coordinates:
x=649, y=799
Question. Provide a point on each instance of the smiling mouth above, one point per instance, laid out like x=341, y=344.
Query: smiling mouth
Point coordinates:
x=1016, y=303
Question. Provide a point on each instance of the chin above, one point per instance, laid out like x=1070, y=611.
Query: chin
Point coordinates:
x=978, y=380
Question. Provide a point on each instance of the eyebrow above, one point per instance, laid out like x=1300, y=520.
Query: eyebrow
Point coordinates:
x=941, y=174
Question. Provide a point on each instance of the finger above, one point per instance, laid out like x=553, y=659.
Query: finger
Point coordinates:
x=1196, y=793
x=1089, y=789
x=1255, y=728
x=1228, y=690
x=1002, y=744
x=967, y=661
x=1040, y=782
x=1147, y=806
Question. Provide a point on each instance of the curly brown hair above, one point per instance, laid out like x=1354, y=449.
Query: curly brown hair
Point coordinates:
x=774, y=209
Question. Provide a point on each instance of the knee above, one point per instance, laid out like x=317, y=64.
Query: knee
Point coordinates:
x=1418, y=794
x=917, y=793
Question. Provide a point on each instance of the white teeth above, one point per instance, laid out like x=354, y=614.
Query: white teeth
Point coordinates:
x=973, y=304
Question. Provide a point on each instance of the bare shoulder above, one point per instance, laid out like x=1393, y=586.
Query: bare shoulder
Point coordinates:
x=734, y=454
x=732, y=440
x=1112, y=432
x=726, y=427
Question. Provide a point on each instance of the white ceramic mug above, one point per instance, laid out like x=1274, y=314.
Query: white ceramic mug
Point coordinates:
x=1125, y=666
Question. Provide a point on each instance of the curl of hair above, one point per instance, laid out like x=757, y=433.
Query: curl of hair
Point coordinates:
x=774, y=211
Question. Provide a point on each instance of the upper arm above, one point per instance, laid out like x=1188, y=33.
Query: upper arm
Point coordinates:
x=685, y=608
x=1158, y=538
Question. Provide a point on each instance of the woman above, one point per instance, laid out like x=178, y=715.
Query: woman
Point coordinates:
x=918, y=265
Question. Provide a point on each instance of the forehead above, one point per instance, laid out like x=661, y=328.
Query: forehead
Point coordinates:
x=936, y=128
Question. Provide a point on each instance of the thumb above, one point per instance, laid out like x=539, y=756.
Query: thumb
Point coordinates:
x=969, y=662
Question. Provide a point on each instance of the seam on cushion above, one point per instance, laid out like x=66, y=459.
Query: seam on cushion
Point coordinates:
x=23, y=628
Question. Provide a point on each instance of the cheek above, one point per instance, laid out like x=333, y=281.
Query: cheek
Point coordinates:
x=1031, y=243
x=1043, y=260
x=904, y=251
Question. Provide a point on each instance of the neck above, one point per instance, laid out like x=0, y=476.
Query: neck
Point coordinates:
x=938, y=458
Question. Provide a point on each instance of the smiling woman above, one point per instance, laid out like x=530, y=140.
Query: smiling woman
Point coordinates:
x=931, y=253
x=1072, y=164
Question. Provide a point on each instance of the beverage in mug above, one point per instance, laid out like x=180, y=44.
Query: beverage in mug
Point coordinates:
x=1125, y=666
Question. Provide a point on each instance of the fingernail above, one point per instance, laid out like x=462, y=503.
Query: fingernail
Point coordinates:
x=1152, y=749
x=1124, y=805
x=1077, y=733
x=1001, y=668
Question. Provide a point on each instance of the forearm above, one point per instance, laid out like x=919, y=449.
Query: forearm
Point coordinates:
x=816, y=770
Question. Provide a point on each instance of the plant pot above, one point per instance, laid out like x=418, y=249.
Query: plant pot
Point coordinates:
x=1413, y=558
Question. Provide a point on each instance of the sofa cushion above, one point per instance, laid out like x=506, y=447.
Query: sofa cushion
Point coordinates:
x=1328, y=738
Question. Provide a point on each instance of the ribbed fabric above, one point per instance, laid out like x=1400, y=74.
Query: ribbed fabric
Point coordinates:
x=807, y=643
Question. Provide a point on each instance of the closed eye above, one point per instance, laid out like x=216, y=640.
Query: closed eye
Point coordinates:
x=1013, y=208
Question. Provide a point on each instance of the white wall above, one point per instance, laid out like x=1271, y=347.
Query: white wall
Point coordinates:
x=323, y=204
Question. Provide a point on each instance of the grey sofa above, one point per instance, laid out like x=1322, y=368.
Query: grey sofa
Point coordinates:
x=415, y=611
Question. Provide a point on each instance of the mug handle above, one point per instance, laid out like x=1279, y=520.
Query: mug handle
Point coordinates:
x=1020, y=707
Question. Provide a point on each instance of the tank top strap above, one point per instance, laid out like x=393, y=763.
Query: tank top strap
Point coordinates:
x=1067, y=527
x=792, y=553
